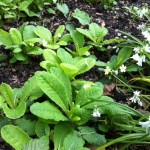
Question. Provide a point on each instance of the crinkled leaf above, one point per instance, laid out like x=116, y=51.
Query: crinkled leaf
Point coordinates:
x=16, y=137
x=61, y=130
x=63, y=8
x=42, y=129
x=7, y=94
x=15, y=112
x=73, y=141
x=31, y=90
x=38, y=144
x=43, y=33
x=54, y=88
x=46, y=110
x=90, y=93
x=26, y=125
x=5, y=38
x=82, y=16
x=90, y=135
x=15, y=36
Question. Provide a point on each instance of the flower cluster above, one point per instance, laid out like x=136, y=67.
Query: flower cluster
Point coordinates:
x=146, y=125
x=145, y=31
x=139, y=55
x=108, y=70
x=136, y=98
x=141, y=12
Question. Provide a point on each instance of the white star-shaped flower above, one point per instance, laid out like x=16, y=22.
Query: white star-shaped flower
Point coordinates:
x=107, y=70
x=147, y=48
x=139, y=59
x=136, y=50
x=123, y=68
x=135, y=98
x=146, y=125
x=96, y=113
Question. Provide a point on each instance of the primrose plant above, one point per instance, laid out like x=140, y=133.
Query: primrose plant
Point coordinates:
x=96, y=35
x=21, y=42
x=65, y=110
x=63, y=60
x=52, y=42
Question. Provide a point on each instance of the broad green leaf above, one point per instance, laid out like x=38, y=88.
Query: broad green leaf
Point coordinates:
x=86, y=33
x=50, y=56
x=54, y=88
x=46, y=110
x=78, y=39
x=64, y=56
x=43, y=33
x=42, y=129
x=5, y=38
x=26, y=125
x=63, y=8
x=123, y=55
x=35, y=51
x=8, y=95
x=88, y=94
x=73, y=141
x=58, y=33
x=60, y=75
x=70, y=70
x=61, y=130
x=97, y=32
x=15, y=36
x=85, y=64
x=83, y=51
x=20, y=56
x=31, y=90
x=16, y=112
x=82, y=16
x=90, y=135
x=38, y=144
x=132, y=68
x=16, y=137
x=28, y=32
x=79, y=115
x=24, y=5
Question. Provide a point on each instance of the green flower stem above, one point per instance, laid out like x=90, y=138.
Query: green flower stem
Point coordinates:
x=146, y=98
x=124, y=138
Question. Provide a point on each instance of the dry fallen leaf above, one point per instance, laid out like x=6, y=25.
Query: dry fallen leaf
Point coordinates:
x=108, y=88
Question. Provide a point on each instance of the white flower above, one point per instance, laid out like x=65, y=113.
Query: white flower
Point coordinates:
x=147, y=48
x=143, y=12
x=146, y=34
x=142, y=26
x=86, y=86
x=123, y=68
x=139, y=59
x=107, y=70
x=96, y=113
x=146, y=125
x=135, y=98
x=44, y=43
x=136, y=50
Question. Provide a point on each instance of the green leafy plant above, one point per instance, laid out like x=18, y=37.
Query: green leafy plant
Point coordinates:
x=63, y=60
x=52, y=42
x=21, y=42
x=82, y=16
x=96, y=34
x=16, y=9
